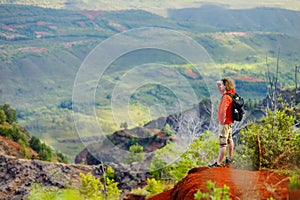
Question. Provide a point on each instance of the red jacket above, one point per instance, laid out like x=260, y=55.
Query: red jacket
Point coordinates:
x=225, y=108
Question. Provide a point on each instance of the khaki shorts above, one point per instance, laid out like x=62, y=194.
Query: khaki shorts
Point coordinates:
x=225, y=134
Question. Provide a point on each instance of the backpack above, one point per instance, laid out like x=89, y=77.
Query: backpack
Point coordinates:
x=237, y=107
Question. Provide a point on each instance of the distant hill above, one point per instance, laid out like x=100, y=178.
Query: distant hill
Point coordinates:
x=158, y=6
x=224, y=19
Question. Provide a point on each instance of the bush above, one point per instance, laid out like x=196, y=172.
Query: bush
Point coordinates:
x=92, y=188
x=135, y=154
x=11, y=114
x=294, y=182
x=202, y=150
x=44, y=151
x=167, y=130
x=273, y=143
x=37, y=192
x=62, y=158
x=154, y=187
x=213, y=192
x=2, y=116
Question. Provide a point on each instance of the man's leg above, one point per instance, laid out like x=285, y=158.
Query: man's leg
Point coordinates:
x=222, y=152
x=223, y=143
x=230, y=142
x=230, y=149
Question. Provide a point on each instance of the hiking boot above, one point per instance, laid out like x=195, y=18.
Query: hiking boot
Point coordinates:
x=228, y=161
x=214, y=165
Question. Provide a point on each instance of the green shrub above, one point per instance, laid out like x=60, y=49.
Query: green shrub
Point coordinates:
x=44, y=151
x=202, y=150
x=93, y=188
x=294, y=182
x=110, y=172
x=11, y=114
x=213, y=193
x=2, y=116
x=135, y=154
x=112, y=191
x=90, y=186
x=154, y=187
x=62, y=157
x=37, y=192
x=167, y=130
x=273, y=143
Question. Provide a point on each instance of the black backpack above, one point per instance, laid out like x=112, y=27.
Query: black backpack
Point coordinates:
x=237, y=107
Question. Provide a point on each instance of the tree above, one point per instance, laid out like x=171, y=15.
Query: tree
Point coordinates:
x=167, y=130
x=11, y=114
x=45, y=153
x=35, y=143
x=2, y=116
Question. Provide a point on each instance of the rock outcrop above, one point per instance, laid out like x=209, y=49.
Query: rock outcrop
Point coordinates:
x=18, y=175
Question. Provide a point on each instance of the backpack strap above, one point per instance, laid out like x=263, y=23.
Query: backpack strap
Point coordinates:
x=231, y=95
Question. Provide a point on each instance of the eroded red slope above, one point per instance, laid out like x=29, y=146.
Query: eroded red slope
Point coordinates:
x=243, y=184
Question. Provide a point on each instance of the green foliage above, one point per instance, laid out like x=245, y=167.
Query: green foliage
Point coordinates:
x=111, y=190
x=2, y=116
x=35, y=143
x=17, y=135
x=37, y=192
x=135, y=154
x=44, y=151
x=11, y=114
x=13, y=132
x=167, y=130
x=91, y=189
x=154, y=186
x=5, y=131
x=110, y=173
x=90, y=186
x=294, y=182
x=273, y=143
x=62, y=157
x=201, y=151
x=213, y=193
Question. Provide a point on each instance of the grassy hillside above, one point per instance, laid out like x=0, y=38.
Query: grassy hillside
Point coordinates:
x=42, y=49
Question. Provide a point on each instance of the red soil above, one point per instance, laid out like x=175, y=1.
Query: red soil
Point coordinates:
x=248, y=79
x=190, y=73
x=42, y=23
x=91, y=14
x=242, y=184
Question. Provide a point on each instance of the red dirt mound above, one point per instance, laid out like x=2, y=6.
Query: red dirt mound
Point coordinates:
x=242, y=184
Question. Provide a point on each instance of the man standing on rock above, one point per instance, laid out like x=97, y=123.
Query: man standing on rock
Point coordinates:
x=225, y=86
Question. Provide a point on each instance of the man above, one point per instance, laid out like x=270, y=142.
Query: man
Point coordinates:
x=225, y=86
